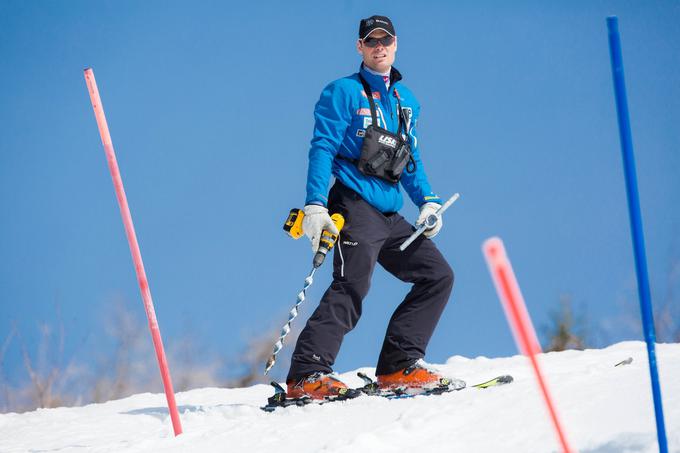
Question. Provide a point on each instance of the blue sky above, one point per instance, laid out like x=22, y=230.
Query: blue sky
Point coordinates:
x=210, y=109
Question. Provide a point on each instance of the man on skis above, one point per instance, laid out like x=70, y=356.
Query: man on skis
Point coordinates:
x=365, y=136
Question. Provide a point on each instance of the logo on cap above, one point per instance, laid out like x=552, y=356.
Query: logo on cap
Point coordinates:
x=366, y=26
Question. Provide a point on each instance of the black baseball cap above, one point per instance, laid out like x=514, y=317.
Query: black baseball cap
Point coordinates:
x=368, y=26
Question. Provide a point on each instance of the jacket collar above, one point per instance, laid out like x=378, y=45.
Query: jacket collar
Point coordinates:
x=376, y=82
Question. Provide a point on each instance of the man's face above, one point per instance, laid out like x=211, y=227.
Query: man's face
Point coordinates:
x=381, y=57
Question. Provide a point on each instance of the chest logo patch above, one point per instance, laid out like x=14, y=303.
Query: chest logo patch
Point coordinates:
x=389, y=141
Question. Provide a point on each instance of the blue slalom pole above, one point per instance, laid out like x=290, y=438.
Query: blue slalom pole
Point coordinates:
x=636, y=222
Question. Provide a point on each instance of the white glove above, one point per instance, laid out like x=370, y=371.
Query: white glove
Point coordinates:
x=315, y=221
x=426, y=210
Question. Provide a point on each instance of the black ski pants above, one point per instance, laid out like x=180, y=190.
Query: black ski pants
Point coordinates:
x=370, y=236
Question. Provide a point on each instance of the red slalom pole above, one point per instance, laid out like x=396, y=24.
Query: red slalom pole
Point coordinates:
x=520, y=322
x=134, y=247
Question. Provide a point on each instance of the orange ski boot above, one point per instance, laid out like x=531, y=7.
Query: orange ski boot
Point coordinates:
x=418, y=377
x=318, y=386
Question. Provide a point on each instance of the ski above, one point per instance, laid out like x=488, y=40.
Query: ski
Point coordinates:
x=500, y=380
x=371, y=388
x=280, y=398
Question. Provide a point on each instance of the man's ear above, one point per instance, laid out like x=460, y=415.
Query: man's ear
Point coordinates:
x=395, y=43
x=359, y=47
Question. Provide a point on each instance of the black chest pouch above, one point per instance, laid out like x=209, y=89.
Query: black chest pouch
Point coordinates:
x=385, y=154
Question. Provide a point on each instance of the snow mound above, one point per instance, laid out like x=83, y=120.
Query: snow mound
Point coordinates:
x=604, y=408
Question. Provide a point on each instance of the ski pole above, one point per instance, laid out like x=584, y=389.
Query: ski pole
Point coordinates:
x=134, y=248
x=430, y=222
x=326, y=243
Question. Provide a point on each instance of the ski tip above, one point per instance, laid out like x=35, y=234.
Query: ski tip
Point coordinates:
x=627, y=361
x=499, y=380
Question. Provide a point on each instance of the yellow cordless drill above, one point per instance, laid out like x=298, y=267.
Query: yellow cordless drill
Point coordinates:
x=293, y=226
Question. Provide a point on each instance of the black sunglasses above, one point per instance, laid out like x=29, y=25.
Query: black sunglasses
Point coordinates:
x=373, y=42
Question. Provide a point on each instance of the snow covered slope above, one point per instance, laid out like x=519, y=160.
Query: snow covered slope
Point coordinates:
x=604, y=408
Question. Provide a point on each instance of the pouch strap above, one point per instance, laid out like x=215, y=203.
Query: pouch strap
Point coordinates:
x=369, y=95
x=402, y=118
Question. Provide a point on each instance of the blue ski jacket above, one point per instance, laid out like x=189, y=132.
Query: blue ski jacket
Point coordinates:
x=341, y=117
